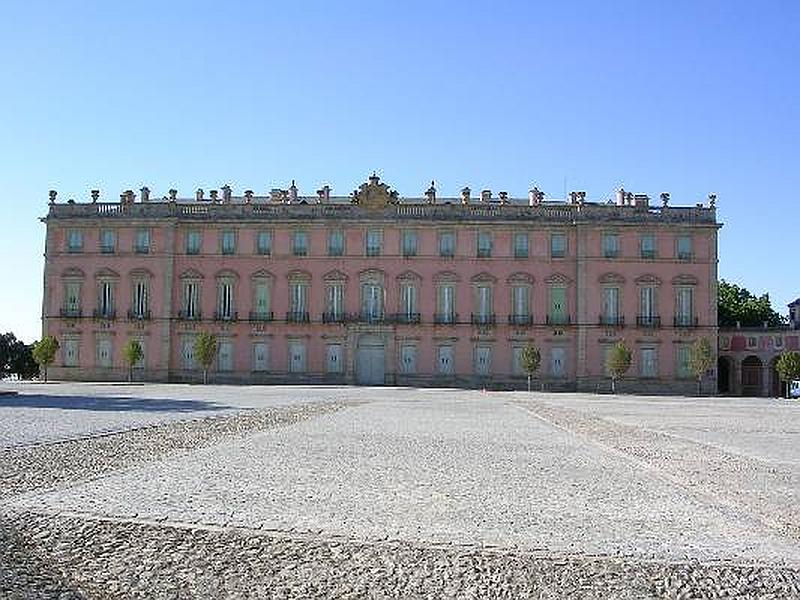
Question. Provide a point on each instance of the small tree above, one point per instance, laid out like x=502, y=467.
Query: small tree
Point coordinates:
x=701, y=359
x=133, y=353
x=618, y=362
x=44, y=352
x=205, y=350
x=531, y=359
x=788, y=367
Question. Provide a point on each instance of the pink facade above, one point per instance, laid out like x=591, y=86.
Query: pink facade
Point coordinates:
x=374, y=288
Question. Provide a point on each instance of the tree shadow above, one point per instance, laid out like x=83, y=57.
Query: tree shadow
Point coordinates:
x=108, y=403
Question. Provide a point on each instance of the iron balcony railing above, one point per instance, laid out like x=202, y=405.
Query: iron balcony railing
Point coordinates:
x=612, y=320
x=484, y=253
x=190, y=315
x=685, y=321
x=260, y=315
x=107, y=249
x=483, y=318
x=648, y=321
x=71, y=313
x=648, y=254
x=558, y=319
x=371, y=317
x=407, y=318
x=373, y=251
x=610, y=253
x=297, y=317
x=520, y=320
x=139, y=315
x=226, y=316
x=445, y=318
x=334, y=317
x=104, y=314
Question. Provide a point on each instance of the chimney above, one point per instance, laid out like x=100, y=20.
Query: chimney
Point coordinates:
x=214, y=195
x=173, y=195
x=145, y=194
x=248, y=196
x=198, y=195
x=664, y=199
x=293, y=192
x=95, y=195
x=430, y=194
x=53, y=195
x=486, y=195
x=620, y=196
x=503, y=197
x=226, y=193
x=465, y=195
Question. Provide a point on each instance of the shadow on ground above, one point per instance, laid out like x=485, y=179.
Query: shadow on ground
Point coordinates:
x=110, y=403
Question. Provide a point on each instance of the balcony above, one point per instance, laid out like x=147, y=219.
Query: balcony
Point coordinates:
x=104, y=314
x=297, y=317
x=685, y=321
x=558, y=319
x=334, y=317
x=297, y=251
x=373, y=251
x=371, y=317
x=612, y=320
x=407, y=318
x=261, y=316
x=134, y=315
x=647, y=254
x=446, y=253
x=483, y=318
x=445, y=318
x=141, y=249
x=107, y=249
x=226, y=316
x=648, y=322
x=409, y=252
x=610, y=253
x=520, y=320
x=70, y=313
x=484, y=252
x=187, y=315
x=684, y=255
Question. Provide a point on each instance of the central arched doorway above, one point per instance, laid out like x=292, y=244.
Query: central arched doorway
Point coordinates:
x=752, y=372
x=724, y=375
x=371, y=360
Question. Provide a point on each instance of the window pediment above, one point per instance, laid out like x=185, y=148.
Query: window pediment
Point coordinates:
x=484, y=278
x=611, y=278
x=558, y=279
x=262, y=274
x=520, y=278
x=73, y=273
x=106, y=273
x=226, y=274
x=335, y=275
x=299, y=275
x=647, y=279
x=446, y=276
x=371, y=275
x=191, y=274
x=140, y=273
x=409, y=276
x=684, y=280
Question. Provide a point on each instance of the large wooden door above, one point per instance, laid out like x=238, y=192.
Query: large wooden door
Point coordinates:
x=371, y=361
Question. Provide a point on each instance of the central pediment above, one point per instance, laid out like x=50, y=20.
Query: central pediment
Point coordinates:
x=374, y=194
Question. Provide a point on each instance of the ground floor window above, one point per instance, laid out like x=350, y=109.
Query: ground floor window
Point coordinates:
x=187, y=354
x=335, y=360
x=260, y=356
x=408, y=359
x=483, y=360
x=558, y=360
x=225, y=356
x=445, y=360
x=516, y=360
x=70, y=353
x=104, y=353
x=297, y=357
x=647, y=362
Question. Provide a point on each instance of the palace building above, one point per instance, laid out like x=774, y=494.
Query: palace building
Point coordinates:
x=374, y=288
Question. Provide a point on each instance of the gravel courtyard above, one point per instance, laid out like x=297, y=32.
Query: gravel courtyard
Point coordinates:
x=168, y=491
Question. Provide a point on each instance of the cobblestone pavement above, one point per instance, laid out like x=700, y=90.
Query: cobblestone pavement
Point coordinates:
x=413, y=494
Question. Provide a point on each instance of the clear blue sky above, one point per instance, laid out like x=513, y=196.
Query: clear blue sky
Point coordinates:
x=682, y=96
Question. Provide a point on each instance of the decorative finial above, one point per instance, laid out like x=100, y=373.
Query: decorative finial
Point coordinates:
x=95, y=195
x=173, y=194
x=712, y=200
x=53, y=195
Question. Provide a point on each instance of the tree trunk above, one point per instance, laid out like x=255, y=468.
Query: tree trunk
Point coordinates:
x=205, y=376
x=613, y=386
x=529, y=382
x=44, y=366
x=699, y=386
x=130, y=374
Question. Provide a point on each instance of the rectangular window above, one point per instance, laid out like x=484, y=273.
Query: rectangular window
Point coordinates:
x=520, y=301
x=108, y=241
x=300, y=243
x=74, y=240
x=483, y=303
x=225, y=355
x=264, y=243
x=558, y=245
x=334, y=302
x=187, y=354
x=647, y=362
x=520, y=245
x=228, y=242
x=516, y=361
x=336, y=243
x=193, y=242
x=139, y=308
x=610, y=245
x=484, y=244
x=445, y=360
x=298, y=299
x=408, y=359
x=104, y=353
x=558, y=306
x=684, y=307
x=682, y=361
x=261, y=302
x=141, y=244
x=610, y=306
x=445, y=303
x=260, y=356
x=297, y=357
x=72, y=298
x=105, y=301
x=557, y=362
x=647, y=302
x=335, y=360
x=225, y=309
x=374, y=241
x=70, y=353
x=447, y=244
x=408, y=301
x=684, y=247
x=191, y=300
x=647, y=245
x=483, y=360
x=409, y=243
x=372, y=301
